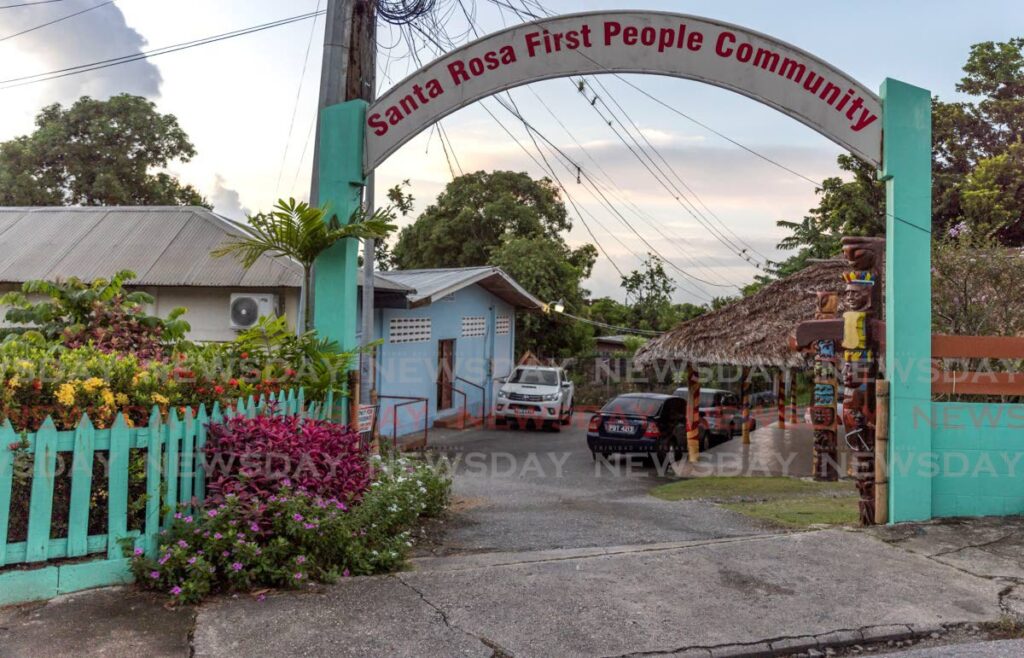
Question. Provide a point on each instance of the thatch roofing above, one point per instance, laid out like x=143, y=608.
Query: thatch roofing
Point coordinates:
x=753, y=331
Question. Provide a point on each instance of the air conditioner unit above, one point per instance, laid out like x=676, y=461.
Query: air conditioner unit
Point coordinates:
x=247, y=308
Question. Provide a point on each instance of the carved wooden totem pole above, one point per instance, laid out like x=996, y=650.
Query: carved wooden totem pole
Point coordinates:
x=823, y=400
x=859, y=333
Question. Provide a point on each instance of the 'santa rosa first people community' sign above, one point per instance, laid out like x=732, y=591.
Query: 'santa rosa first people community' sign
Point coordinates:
x=765, y=69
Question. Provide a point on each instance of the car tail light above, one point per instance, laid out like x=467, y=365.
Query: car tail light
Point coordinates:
x=652, y=431
x=595, y=424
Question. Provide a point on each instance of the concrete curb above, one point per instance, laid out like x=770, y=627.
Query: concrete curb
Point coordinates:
x=785, y=646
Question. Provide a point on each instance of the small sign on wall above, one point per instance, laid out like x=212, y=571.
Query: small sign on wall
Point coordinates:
x=367, y=414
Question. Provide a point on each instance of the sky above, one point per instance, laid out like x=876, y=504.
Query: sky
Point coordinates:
x=248, y=105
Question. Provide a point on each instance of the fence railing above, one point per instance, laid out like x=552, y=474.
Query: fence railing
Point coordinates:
x=161, y=457
x=954, y=382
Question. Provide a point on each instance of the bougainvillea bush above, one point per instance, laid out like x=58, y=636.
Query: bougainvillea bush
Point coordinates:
x=292, y=537
x=251, y=457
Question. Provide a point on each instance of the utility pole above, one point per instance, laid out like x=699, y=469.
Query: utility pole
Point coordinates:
x=348, y=73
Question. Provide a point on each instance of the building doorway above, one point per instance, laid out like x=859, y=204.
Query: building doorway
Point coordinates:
x=445, y=373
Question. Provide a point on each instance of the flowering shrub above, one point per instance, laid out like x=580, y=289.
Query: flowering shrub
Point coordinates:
x=254, y=457
x=293, y=537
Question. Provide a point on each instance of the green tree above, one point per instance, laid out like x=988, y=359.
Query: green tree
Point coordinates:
x=551, y=273
x=992, y=196
x=649, y=293
x=301, y=232
x=97, y=153
x=475, y=214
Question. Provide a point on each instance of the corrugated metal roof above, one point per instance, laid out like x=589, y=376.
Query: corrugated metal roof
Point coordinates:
x=434, y=284
x=163, y=245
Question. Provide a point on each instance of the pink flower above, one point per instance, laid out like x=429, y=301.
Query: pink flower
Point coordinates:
x=192, y=560
x=139, y=551
x=217, y=535
x=300, y=559
x=175, y=591
x=298, y=576
x=154, y=574
x=237, y=566
x=297, y=516
x=345, y=574
x=212, y=513
x=255, y=527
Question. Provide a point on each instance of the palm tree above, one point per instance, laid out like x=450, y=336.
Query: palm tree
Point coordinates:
x=298, y=231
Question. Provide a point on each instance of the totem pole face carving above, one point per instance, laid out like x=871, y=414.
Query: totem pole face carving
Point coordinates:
x=863, y=253
x=857, y=297
x=828, y=306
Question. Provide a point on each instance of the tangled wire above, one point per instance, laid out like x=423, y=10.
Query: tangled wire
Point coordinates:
x=403, y=12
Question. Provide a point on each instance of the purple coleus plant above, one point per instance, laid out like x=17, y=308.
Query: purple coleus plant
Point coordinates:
x=254, y=458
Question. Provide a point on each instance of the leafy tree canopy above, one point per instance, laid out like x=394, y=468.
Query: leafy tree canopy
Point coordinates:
x=475, y=214
x=977, y=168
x=97, y=153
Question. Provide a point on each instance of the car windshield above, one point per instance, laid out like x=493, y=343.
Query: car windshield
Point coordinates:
x=633, y=406
x=534, y=376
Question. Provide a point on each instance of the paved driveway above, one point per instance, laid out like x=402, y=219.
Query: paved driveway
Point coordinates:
x=521, y=490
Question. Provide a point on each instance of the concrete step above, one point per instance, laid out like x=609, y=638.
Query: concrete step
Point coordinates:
x=458, y=421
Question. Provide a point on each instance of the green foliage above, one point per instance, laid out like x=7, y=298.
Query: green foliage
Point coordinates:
x=302, y=232
x=977, y=168
x=76, y=308
x=97, y=153
x=293, y=538
x=316, y=364
x=549, y=270
x=976, y=288
x=475, y=214
x=510, y=220
x=650, y=291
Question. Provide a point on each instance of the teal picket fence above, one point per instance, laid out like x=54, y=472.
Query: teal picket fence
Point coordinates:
x=42, y=566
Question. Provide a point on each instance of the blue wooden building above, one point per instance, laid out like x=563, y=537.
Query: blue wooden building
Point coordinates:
x=446, y=339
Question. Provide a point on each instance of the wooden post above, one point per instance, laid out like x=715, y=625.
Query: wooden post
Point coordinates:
x=353, y=398
x=693, y=413
x=745, y=401
x=881, y=451
x=793, y=417
x=780, y=399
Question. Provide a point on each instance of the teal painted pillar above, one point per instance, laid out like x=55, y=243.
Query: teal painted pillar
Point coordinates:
x=907, y=171
x=341, y=187
x=335, y=285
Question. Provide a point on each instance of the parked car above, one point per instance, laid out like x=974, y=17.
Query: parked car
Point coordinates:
x=537, y=394
x=639, y=423
x=720, y=411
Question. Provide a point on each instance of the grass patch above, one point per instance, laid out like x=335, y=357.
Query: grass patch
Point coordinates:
x=802, y=512
x=727, y=489
x=785, y=501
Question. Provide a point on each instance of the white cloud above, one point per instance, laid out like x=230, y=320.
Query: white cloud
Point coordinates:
x=226, y=201
x=93, y=36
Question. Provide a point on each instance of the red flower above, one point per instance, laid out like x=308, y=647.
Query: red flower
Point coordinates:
x=233, y=382
x=244, y=355
x=219, y=390
x=289, y=372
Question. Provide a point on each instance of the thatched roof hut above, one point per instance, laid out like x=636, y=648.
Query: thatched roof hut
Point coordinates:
x=753, y=331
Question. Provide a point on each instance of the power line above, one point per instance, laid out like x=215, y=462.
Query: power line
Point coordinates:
x=57, y=20
x=29, y=4
x=663, y=103
x=605, y=325
x=295, y=107
x=124, y=59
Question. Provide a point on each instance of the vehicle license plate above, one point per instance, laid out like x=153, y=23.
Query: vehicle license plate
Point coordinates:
x=619, y=428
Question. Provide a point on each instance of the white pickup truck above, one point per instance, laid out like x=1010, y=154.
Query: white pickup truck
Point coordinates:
x=538, y=394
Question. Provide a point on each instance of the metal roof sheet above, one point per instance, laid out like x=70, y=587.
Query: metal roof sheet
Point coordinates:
x=163, y=245
x=434, y=284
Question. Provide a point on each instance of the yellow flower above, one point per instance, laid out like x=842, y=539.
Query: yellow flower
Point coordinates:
x=25, y=365
x=160, y=399
x=121, y=399
x=139, y=376
x=13, y=382
x=128, y=421
x=66, y=394
x=93, y=384
x=108, y=398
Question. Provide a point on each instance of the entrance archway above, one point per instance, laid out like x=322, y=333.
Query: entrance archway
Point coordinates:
x=891, y=130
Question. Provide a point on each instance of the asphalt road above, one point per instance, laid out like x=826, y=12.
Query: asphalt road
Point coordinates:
x=521, y=490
